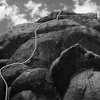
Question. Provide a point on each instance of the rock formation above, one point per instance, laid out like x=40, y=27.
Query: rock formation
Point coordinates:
x=67, y=56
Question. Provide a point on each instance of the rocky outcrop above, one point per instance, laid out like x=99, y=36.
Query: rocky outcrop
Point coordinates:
x=56, y=26
x=65, y=48
x=12, y=40
x=16, y=36
x=90, y=19
x=52, y=44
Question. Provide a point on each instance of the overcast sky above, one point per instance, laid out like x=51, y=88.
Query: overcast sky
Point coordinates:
x=15, y=12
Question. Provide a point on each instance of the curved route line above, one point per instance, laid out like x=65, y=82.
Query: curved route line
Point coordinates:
x=22, y=63
x=36, y=37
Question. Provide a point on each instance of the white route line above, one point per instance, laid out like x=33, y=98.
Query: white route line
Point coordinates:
x=22, y=63
x=36, y=36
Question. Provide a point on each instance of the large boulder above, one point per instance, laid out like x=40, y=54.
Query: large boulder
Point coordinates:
x=53, y=26
x=38, y=80
x=71, y=61
x=50, y=45
x=84, y=86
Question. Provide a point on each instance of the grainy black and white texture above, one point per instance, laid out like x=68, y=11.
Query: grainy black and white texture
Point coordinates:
x=65, y=65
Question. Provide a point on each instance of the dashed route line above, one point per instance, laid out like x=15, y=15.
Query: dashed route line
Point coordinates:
x=22, y=63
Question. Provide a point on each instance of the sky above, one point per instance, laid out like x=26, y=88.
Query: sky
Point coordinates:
x=15, y=12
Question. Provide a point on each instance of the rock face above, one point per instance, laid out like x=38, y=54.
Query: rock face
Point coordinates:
x=84, y=86
x=64, y=48
x=71, y=61
x=52, y=44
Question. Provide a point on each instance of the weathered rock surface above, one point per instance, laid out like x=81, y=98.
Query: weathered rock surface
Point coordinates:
x=38, y=80
x=89, y=20
x=71, y=61
x=84, y=86
x=67, y=23
x=52, y=44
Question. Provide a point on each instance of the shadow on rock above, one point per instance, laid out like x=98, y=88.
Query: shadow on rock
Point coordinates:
x=71, y=61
